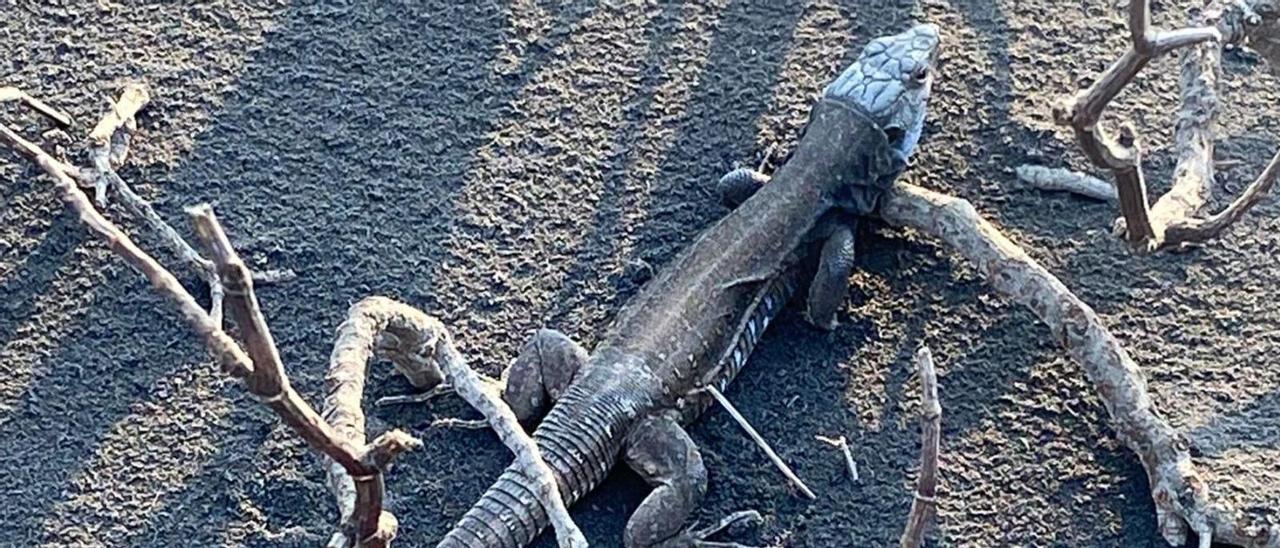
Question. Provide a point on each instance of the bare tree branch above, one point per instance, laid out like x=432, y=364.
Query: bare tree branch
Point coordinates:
x=234, y=361
x=10, y=93
x=1149, y=228
x=924, y=504
x=842, y=445
x=1182, y=497
x=419, y=346
x=265, y=379
x=367, y=524
x=109, y=146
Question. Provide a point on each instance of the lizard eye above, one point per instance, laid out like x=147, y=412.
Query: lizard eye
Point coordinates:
x=920, y=74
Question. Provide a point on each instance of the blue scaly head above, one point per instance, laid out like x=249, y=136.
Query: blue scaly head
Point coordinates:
x=891, y=81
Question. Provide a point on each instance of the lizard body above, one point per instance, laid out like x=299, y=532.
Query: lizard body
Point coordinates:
x=695, y=323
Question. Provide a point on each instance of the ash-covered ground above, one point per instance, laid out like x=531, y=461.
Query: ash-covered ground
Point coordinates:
x=512, y=165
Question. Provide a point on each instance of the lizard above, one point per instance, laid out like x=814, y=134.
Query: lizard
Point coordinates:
x=695, y=322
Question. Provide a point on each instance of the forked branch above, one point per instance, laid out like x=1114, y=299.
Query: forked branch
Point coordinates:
x=1169, y=222
x=264, y=378
x=108, y=147
x=1182, y=497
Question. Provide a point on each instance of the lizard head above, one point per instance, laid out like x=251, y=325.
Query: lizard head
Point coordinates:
x=891, y=81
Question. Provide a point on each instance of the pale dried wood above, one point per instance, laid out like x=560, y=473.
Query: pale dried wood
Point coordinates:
x=109, y=145
x=276, y=394
x=842, y=444
x=367, y=524
x=10, y=93
x=1182, y=498
x=1170, y=221
x=420, y=347
x=1065, y=180
x=924, y=503
x=760, y=441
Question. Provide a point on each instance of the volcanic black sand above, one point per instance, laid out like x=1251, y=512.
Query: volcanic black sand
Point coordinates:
x=507, y=167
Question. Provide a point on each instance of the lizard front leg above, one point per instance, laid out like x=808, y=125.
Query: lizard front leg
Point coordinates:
x=738, y=185
x=541, y=373
x=664, y=455
x=830, y=284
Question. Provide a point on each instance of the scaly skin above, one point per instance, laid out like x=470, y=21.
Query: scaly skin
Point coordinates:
x=695, y=323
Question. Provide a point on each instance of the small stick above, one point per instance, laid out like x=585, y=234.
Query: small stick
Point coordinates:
x=110, y=146
x=755, y=436
x=1075, y=182
x=924, y=504
x=10, y=93
x=843, y=445
x=421, y=397
x=465, y=424
x=365, y=462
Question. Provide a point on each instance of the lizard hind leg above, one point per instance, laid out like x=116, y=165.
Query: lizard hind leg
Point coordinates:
x=541, y=373
x=663, y=454
x=830, y=284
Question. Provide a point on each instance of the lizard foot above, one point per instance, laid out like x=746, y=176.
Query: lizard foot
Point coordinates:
x=733, y=524
x=419, y=397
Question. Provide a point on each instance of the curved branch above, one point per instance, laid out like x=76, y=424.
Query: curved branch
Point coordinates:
x=420, y=347
x=1182, y=497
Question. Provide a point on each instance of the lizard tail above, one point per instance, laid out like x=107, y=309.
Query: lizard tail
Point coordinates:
x=579, y=439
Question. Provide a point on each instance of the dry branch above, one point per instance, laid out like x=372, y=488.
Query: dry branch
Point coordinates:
x=366, y=525
x=264, y=379
x=10, y=93
x=760, y=441
x=109, y=146
x=1170, y=221
x=419, y=346
x=1182, y=498
x=924, y=503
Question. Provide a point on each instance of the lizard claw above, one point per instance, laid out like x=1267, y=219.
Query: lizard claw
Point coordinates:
x=733, y=523
x=420, y=397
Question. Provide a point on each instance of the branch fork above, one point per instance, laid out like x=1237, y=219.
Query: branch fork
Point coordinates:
x=1173, y=220
x=419, y=349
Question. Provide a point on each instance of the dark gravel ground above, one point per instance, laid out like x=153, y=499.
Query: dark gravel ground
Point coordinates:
x=513, y=166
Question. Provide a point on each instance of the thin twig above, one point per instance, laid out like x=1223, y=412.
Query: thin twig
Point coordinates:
x=421, y=397
x=1182, y=497
x=755, y=436
x=109, y=145
x=464, y=424
x=924, y=504
x=1198, y=230
x=10, y=93
x=843, y=445
x=419, y=346
x=234, y=361
x=1065, y=180
x=286, y=403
